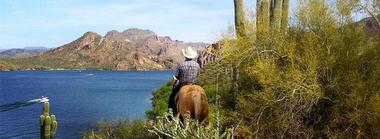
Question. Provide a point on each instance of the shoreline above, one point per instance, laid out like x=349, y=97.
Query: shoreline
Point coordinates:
x=62, y=69
x=113, y=94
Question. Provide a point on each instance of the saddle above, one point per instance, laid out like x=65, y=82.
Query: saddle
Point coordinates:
x=177, y=86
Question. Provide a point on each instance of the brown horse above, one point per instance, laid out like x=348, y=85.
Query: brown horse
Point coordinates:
x=192, y=99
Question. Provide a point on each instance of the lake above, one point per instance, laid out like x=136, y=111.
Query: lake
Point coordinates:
x=78, y=98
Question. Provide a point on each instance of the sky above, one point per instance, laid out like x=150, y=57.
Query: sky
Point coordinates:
x=52, y=23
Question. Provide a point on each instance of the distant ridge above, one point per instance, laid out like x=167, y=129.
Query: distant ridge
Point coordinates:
x=370, y=24
x=23, y=52
x=131, y=49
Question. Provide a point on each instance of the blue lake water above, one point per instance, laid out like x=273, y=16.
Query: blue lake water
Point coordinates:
x=78, y=99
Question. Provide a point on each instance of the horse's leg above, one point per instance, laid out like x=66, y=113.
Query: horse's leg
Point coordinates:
x=197, y=105
x=173, y=99
x=204, y=117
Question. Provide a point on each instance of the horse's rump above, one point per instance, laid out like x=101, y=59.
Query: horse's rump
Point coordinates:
x=192, y=99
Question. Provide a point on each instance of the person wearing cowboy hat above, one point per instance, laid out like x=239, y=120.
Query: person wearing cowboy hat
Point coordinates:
x=187, y=73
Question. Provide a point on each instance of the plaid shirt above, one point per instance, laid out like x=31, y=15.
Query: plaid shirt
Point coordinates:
x=187, y=71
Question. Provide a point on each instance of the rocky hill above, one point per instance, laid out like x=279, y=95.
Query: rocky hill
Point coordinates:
x=134, y=49
x=23, y=52
x=370, y=24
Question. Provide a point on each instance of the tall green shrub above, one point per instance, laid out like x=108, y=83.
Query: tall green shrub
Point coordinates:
x=320, y=80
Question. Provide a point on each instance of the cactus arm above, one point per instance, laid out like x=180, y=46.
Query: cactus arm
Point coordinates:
x=47, y=127
x=42, y=119
x=54, y=125
x=42, y=122
x=53, y=128
x=277, y=15
x=46, y=108
x=262, y=18
x=265, y=15
x=259, y=16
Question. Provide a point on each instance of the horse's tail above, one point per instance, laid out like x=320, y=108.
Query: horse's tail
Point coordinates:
x=197, y=105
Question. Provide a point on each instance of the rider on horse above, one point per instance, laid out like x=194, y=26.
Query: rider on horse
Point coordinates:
x=187, y=73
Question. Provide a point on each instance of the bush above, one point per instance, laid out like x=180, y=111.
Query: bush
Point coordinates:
x=170, y=126
x=124, y=129
x=320, y=79
x=160, y=100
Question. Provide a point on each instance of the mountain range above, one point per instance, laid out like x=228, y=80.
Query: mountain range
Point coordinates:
x=23, y=52
x=132, y=49
x=371, y=25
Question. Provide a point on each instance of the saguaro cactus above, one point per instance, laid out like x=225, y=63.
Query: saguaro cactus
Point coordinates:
x=272, y=15
x=285, y=16
x=240, y=21
x=266, y=14
x=276, y=15
x=48, y=123
x=263, y=16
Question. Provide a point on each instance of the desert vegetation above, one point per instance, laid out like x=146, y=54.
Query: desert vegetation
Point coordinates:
x=317, y=78
x=314, y=75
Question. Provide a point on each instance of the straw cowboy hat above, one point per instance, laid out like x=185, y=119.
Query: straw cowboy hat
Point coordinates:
x=189, y=53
